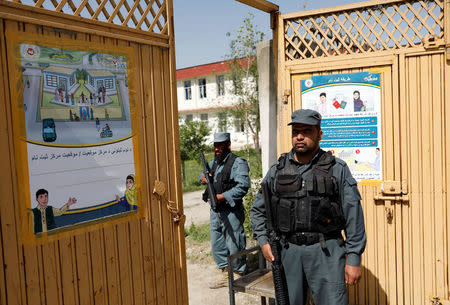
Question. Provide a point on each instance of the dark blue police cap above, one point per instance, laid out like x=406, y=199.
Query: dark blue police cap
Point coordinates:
x=306, y=116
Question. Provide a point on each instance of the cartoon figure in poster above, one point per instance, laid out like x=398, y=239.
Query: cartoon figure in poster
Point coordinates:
x=130, y=198
x=44, y=214
x=358, y=104
x=321, y=106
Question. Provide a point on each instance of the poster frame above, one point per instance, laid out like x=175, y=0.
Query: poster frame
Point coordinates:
x=14, y=40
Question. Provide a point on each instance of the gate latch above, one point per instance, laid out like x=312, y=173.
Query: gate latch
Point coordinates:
x=439, y=301
x=393, y=190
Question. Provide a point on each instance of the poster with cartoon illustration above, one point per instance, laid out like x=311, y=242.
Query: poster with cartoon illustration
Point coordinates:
x=350, y=105
x=77, y=121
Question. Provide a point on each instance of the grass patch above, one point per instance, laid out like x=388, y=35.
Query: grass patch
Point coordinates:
x=198, y=233
x=115, y=100
x=46, y=98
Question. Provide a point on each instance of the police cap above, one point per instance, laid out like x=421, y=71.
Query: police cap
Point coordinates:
x=221, y=137
x=306, y=116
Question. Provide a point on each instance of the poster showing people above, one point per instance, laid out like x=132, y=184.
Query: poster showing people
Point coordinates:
x=78, y=129
x=350, y=105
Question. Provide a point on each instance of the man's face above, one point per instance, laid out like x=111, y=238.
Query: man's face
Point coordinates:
x=42, y=199
x=323, y=98
x=220, y=147
x=305, y=138
x=130, y=183
x=356, y=95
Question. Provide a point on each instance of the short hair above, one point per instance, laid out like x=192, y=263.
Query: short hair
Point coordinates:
x=323, y=94
x=356, y=91
x=130, y=177
x=41, y=192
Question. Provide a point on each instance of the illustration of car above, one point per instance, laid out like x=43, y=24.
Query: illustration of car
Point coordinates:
x=48, y=130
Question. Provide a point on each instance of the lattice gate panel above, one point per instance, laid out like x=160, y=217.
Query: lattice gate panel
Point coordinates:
x=144, y=15
x=378, y=27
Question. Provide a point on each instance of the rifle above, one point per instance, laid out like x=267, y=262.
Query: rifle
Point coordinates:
x=279, y=277
x=210, y=187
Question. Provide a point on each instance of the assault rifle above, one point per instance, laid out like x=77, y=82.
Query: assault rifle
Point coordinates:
x=210, y=187
x=279, y=277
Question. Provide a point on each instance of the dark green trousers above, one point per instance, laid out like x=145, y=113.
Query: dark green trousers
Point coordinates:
x=320, y=270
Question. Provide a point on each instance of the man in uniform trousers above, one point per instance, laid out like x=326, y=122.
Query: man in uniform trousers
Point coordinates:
x=313, y=198
x=231, y=179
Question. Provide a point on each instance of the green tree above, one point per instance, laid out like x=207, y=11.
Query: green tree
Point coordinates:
x=192, y=141
x=244, y=74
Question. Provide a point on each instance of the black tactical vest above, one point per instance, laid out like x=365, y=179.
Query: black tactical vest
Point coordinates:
x=310, y=205
x=222, y=183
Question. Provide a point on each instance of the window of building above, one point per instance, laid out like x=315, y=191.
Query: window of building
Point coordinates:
x=109, y=83
x=239, y=125
x=91, y=81
x=187, y=90
x=51, y=80
x=235, y=84
x=189, y=117
x=220, y=85
x=202, y=87
x=72, y=80
x=222, y=126
x=99, y=83
x=204, y=117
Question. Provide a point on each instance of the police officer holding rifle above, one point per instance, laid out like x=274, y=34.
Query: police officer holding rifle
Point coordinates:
x=312, y=197
x=230, y=179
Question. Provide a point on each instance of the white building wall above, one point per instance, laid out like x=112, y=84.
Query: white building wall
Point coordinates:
x=212, y=105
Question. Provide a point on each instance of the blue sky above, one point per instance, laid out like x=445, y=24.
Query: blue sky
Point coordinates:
x=201, y=25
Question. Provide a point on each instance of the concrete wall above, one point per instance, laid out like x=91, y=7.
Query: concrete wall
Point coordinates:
x=267, y=103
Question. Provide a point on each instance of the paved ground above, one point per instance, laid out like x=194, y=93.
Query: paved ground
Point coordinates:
x=195, y=209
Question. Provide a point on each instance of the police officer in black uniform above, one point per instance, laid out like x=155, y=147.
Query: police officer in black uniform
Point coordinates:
x=313, y=198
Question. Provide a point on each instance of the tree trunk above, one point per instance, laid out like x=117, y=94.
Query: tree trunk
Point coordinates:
x=183, y=173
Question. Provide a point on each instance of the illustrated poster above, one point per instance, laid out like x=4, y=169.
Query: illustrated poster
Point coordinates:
x=350, y=105
x=79, y=136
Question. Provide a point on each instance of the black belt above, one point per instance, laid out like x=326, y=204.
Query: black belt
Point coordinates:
x=311, y=238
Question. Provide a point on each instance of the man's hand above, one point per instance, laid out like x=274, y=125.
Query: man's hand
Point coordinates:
x=220, y=198
x=352, y=274
x=203, y=179
x=71, y=201
x=267, y=252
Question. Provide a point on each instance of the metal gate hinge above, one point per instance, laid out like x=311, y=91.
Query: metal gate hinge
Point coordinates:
x=286, y=95
x=432, y=43
x=439, y=301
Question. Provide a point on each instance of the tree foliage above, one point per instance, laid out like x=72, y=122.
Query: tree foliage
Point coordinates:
x=192, y=141
x=244, y=74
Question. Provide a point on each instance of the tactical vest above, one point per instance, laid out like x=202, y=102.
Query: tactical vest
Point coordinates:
x=310, y=205
x=222, y=182
x=50, y=218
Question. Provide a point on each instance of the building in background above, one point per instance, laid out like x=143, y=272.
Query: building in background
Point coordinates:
x=206, y=93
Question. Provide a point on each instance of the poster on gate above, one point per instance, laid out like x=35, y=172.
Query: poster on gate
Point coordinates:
x=350, y=105
x=76, y=137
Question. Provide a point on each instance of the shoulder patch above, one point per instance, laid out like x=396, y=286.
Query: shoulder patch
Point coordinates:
x=351, y=181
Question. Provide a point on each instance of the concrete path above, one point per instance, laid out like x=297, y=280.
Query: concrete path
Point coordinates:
x=195, y=209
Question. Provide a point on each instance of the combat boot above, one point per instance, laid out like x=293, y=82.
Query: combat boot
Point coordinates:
x=222, y=281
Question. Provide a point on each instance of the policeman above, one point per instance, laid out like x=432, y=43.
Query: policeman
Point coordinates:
x=231, y=183
x=313, y=198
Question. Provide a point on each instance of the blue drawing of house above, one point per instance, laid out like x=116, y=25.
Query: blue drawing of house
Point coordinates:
x=59, y=77
x=101, y=79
